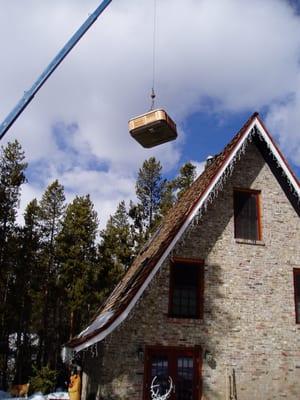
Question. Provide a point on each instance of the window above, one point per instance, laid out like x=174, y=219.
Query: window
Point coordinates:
x=186, y=288
x=297, y=293
x=247, y=215
x=181, y=364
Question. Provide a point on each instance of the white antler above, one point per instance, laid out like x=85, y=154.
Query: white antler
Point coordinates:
x=155, y=395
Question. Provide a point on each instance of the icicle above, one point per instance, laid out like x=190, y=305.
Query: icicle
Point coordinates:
x=94, y=350
x=277, y=163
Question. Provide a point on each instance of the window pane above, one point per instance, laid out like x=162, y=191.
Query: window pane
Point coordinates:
x=185, y=373
x=160, y=369
x=185, y=280
x=297, y=281
x=298, y=310
x=246, y=215
x=297, y=294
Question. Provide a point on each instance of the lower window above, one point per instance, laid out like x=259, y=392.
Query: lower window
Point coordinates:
x=182, y=365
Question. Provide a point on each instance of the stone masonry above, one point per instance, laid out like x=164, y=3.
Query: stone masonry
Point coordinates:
x=249, y=310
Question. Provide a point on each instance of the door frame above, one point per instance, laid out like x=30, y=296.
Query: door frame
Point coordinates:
x=195, y=352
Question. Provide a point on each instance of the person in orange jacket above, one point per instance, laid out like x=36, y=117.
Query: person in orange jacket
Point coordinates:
x=75, y=384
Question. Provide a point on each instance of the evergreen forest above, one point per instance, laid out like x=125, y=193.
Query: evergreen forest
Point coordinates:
x=58, y=266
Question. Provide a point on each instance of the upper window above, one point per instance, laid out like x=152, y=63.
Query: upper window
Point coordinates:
x=247, y=215
x=297, y=293
x=186, y=289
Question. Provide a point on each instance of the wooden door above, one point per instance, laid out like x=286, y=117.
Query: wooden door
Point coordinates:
x=181, y=364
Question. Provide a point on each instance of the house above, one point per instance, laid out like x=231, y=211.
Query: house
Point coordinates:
x=213, y=300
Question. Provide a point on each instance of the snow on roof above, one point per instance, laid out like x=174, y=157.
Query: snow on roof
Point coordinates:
x=98, y=323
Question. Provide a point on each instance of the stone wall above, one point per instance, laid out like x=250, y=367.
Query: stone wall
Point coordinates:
x=249, y=312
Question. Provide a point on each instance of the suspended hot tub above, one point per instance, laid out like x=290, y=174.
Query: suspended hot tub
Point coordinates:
x=153, y=128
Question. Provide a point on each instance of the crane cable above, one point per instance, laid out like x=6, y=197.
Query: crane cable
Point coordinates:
x=153, y=95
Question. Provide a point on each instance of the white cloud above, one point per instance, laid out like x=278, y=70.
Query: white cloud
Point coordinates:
x=29, y=192
x=284, y=121
x=240, y=55
x=199, y=166
x=106, y=189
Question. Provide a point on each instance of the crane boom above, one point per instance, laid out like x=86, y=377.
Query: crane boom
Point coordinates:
x=29, y=95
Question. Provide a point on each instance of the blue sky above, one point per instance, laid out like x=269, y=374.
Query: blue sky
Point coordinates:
x=216, y=63
x=211, y=132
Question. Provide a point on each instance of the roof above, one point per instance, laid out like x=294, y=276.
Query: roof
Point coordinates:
x=123, y=298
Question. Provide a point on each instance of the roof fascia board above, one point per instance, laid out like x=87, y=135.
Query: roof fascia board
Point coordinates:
x=189, y=219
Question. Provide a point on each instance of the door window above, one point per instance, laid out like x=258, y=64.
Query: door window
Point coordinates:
x=181, y=364
x=160, y=370
x=185, y=378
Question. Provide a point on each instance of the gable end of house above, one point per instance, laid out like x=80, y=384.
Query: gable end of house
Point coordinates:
x=189, y=210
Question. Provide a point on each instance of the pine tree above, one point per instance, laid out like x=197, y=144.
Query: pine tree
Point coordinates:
x=137, y=224
x=175, y=188
x=116, y=248
x=168, y=197
x=149, y=187
x=51, y=211
x=146, y=214
x=185, y=179
x=12, y=168
x=26, y=284
x=77, y=256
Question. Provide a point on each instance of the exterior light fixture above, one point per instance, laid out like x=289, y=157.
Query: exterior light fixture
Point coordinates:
x=209, y=359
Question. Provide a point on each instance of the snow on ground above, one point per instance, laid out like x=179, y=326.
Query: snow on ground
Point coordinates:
x=37, y=396
x=57, y=395
x=4, y=395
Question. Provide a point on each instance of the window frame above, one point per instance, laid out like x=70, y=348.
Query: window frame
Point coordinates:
x=172, y=352
x=296, y=272
x=257, y=194
x=175, y=261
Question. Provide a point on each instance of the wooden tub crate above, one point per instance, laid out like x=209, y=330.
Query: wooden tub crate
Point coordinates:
x=153, y=128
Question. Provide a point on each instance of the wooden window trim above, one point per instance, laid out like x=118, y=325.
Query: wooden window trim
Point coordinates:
x=200, y=292
x=257, y=194
x=296, y=272
x=195, y=352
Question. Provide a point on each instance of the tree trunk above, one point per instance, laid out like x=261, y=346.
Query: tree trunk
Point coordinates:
x=72, y=323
